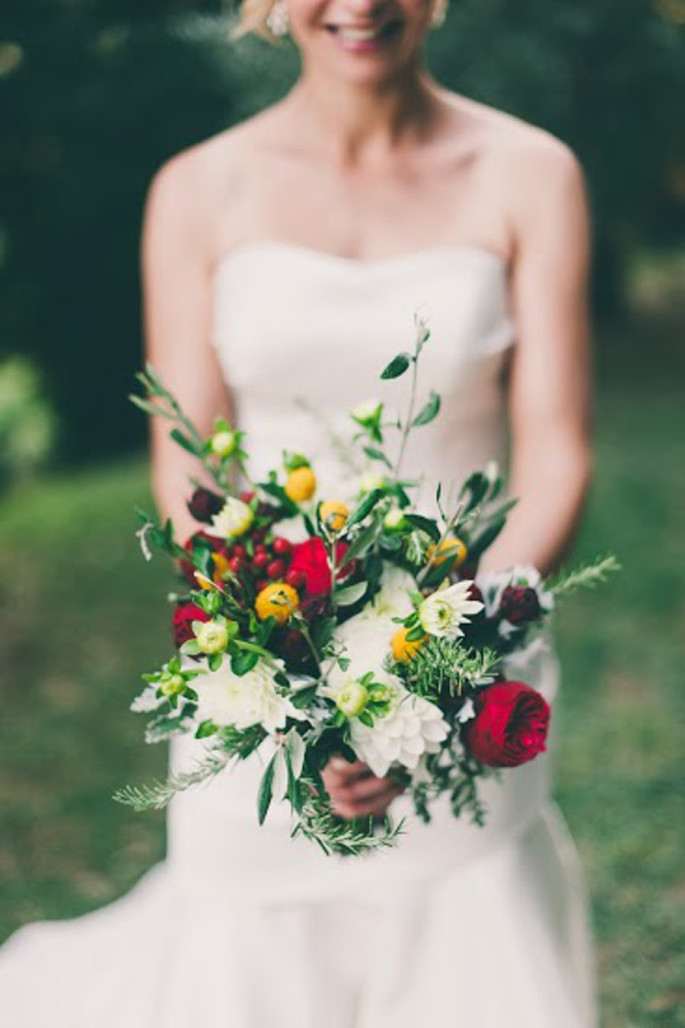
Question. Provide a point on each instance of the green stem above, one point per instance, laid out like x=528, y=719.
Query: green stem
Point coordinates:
x=406, y=427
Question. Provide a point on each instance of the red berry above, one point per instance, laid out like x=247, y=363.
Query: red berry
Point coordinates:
x=295, y=578
x=276, y=569
x=239, y=551
x=236, y=564
x=261, y=583
x=260, y=559
x=281, y=546
x=247, y=496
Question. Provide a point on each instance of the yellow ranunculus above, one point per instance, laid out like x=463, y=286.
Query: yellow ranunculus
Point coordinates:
x=405, y=649
x=448, y=548
x=277, y=600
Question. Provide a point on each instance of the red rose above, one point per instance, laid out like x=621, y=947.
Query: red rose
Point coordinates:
x=184, y=615
x=510, y=726
x=311, y=559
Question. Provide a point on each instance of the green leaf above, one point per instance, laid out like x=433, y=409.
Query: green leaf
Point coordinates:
x=183, y=441
x=365, y=507
x=361, y=544
x=416, y=633
x=205, y=729
x=266, y=790
x=375, y=454
x=429, y=411
x=397, y=366
x=350, y=594
x=243, y=661
x=296, y=750
x=426, y=525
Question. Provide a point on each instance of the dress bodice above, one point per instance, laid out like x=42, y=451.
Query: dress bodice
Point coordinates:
x=303, y=335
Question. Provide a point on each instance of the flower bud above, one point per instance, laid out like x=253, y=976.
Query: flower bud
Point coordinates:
x=223, y=443
x=368, y=412
x=212, y=637
x=394, y=520
x=172, y=685
x=352, y=699
x=370, y=480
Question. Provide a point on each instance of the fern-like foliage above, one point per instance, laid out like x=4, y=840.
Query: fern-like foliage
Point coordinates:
x=319, y=824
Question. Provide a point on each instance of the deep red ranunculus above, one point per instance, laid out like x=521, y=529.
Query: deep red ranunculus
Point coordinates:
x=519, y=604
x=311, y=559
x=184, y=615
x=510, y=726
x=204, y=504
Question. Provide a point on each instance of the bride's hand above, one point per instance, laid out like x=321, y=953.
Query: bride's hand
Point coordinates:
x=355, y=791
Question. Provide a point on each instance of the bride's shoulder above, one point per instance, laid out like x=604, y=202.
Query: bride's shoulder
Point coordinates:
x=201, y=185
x=513, y=149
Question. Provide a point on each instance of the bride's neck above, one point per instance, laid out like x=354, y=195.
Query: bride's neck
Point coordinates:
x=357, y=123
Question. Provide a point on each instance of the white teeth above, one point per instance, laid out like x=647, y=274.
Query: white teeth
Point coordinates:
x=358, y=34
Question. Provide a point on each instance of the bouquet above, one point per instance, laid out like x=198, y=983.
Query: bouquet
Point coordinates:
x=310, y=626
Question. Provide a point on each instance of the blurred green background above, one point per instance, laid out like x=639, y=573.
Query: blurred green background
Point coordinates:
x=94, y=96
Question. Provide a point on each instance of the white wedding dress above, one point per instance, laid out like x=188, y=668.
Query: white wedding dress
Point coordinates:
x=242, y=927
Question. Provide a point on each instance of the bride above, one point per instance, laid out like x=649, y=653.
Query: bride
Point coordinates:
x=283, y=261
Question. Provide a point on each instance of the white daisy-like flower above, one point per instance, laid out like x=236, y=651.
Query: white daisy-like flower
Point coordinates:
x=233, y=520
x=412, y=728
x=243, y=700
x=445, y=610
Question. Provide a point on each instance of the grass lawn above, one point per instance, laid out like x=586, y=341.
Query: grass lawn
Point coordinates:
x=83, y=616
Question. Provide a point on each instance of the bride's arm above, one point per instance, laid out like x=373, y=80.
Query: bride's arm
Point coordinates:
x=549, y=391
x=177, y=326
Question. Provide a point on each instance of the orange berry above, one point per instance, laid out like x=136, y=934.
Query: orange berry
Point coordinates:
x=277, y=600
x=334, y=514
x=449, y=548
x=300, y=484
x=405, y=649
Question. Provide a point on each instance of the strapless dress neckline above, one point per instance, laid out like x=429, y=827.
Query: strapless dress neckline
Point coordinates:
x=458, y=252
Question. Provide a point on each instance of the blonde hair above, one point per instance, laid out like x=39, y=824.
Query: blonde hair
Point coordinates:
x=252, y=18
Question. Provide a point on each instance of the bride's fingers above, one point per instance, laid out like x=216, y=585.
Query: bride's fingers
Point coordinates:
x=374, y=806
x=339, y=771
x=364, y=789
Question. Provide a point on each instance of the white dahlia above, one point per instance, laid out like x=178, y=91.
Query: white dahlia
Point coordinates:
x=412, y=728
x=243, y=700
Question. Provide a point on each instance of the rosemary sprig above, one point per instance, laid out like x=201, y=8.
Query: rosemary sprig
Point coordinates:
x=158, y=795
x=586, y=577
x=318, y=823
